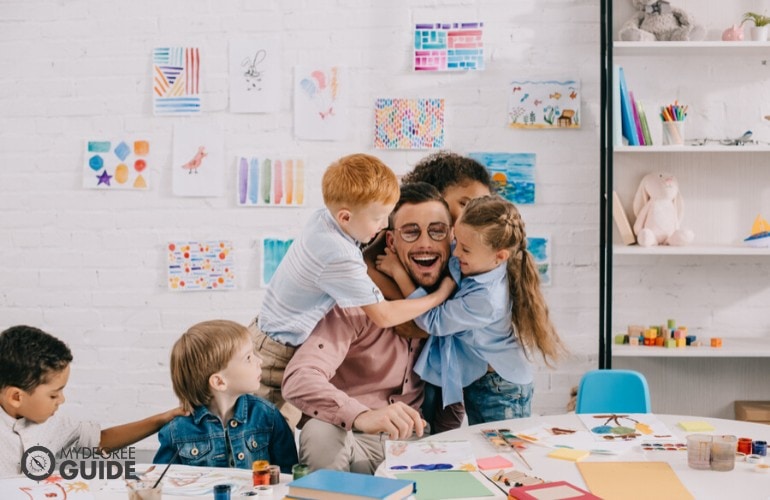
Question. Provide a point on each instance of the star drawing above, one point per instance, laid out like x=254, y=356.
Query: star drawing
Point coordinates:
x=104, y=178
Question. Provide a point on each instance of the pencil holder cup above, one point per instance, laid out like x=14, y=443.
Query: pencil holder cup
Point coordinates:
x=673, y=133
x=699, y=451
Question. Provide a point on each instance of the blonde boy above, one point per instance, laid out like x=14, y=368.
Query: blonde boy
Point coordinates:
x=324, y=266
x=34, y=369
x=214, y=370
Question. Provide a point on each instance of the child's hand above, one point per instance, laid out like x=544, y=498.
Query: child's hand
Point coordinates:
x=169, y=415
x=446, y=287
x=388, y=263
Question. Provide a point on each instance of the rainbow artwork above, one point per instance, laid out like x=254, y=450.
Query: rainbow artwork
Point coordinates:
x=265, y=181
x=409, y=123
x=205, y=265
x=448, y=46
x=512, y=173
x=176, y=79
x=273, y=251
x=116, y=164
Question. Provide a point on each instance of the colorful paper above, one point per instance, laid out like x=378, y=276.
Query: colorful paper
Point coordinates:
x=116, y=164
x=270, y=181
x=176, y=80
x=513, y=174
x=544, y=104
x=442, y=485
x=198, y=160
x=448, y=46
x=423, y=456
x=273, y=251
x=206, y=265
x=496, y=462
x=52, y=488
x=320, y=103
x=625, y=426
x=540, y=249
x=409, y=123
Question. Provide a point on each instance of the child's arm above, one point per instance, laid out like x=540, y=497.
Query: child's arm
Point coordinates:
x=394, y=312
x=384, y=282
x=389, y=264
x=123, y=435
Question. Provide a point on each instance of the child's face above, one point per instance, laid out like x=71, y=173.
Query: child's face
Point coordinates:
x=474, y=255
x=40, y=404
x=458, y=195
x=243, y=372
x=368, y=220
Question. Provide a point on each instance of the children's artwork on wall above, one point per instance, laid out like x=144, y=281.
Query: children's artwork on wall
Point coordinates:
x=409, y=123
x=198, y=160
x=270, y=181
x=176, y=80
x=205, y=265
x=448, y=46
x=320, y=103
x=255, y=75
x=540, y=248
x=544, y=104
x=116, y=164
x=512, y=173
x=52, y=488
x=273, y=251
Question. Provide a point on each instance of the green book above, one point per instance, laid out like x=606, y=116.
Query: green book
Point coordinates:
x=645, y=128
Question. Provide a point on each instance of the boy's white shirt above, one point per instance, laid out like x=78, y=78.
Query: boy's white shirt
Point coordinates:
x=57, y=433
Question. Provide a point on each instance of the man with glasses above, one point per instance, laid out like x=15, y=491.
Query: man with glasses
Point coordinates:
x=353, y=380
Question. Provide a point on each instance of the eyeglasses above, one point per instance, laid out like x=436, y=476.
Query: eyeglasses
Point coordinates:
x=438, y=231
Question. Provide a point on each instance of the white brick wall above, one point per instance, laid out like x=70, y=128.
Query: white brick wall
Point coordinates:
x=88, y=266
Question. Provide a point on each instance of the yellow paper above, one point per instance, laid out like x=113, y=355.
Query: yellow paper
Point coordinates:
x=633, y=480
x=569, y=454
x=696, y=426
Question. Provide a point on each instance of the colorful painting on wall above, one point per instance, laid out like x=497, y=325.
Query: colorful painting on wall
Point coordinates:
x=512, y=173
x=409, y=123
x=540, y=248
x=205, y=265
x=544, y=104
x=116, y=164
x=448, y=46
x=320, y=103
x=198, y=160
x=176, y=80
x=267, y=181
x=255, y=75
x=273, y=251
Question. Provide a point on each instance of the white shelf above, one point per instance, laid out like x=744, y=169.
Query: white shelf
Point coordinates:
x=731, y=348
x=736, y=250
x=677, y=49
x=708, y=148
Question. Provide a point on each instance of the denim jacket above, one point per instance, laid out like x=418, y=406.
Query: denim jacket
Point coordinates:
x=257, y=431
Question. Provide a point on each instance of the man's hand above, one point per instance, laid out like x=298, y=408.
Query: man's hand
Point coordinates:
x=398, y=420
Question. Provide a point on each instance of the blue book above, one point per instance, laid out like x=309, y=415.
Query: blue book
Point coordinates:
x=331, y=485
x=626, y=111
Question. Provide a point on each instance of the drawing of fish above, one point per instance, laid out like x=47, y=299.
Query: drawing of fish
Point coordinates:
x=538, y=102
x=555, y=95
x=572, y=94
x=524, y=98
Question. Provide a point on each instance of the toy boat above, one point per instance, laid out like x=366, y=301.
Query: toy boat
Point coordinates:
x=760, y=234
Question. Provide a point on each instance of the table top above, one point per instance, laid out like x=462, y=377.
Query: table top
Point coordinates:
x=742, y=482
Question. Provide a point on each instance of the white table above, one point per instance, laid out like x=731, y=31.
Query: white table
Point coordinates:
x=742, y=482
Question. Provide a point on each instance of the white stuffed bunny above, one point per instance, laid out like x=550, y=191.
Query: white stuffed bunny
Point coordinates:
x=658, y=207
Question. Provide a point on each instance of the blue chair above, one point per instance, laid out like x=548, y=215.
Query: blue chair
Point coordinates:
x=613, y=391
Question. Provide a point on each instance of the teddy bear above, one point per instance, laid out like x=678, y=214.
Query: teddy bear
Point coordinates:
x=659, y=208
x=657, y=20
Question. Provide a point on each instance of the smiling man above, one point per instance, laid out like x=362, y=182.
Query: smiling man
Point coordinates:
x=353, y=380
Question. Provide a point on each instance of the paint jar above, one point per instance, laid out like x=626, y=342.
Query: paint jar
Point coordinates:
x=222, y=492
x=759, y=448
x=144, y=491
x=300, y=470
x=260, y=473
x=723, y=452
x=275, y=474
x=744, y=446
x=699, y=451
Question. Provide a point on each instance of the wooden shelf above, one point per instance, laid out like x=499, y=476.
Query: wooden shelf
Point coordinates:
x=731, y=348
x=708, y=148
x=735, y=250
x=677, y=49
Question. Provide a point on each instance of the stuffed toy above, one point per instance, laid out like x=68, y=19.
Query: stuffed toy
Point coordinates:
x=657, y=20
x=658, y=207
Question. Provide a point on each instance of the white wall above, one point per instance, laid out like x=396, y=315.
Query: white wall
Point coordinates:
x=88, y=266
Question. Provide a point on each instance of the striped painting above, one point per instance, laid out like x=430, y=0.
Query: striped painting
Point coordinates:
x=270, y=181
x=176, y=79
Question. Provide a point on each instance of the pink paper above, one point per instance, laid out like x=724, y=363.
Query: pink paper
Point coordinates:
x=496, y=462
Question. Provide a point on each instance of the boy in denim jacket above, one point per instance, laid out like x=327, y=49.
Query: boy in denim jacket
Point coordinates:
x=214, y=370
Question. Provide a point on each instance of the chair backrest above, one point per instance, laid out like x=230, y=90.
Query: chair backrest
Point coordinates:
x=613, y=391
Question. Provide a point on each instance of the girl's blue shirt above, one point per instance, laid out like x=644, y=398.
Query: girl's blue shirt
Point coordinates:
x=256, y=431
x=470, y=331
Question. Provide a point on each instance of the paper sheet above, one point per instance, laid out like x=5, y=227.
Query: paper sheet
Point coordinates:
x=633, y=480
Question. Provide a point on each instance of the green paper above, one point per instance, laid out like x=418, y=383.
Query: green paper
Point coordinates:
x=438, y=485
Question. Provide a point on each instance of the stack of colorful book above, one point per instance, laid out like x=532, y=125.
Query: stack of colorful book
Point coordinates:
x=633, y=119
